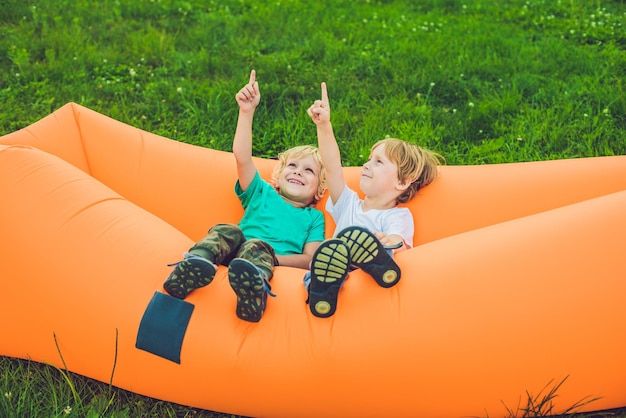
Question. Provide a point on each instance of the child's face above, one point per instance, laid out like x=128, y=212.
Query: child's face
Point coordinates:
x=379, y=175
x=299, y=180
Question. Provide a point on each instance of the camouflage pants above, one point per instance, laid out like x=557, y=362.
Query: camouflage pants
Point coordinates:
x=225, y=242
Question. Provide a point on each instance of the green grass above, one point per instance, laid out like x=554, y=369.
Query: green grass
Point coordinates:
x=29, y=389
x=480, y=81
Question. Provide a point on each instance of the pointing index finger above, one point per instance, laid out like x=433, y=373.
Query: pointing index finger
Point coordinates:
x=324, y=95
x=252, y=76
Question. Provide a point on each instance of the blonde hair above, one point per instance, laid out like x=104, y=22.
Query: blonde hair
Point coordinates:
x=416, y=165
x=302, y=151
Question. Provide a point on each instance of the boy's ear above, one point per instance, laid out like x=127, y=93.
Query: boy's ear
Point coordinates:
x=319, y=195
x=402, y=186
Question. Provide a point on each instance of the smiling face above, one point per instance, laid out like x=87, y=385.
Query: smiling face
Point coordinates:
x=298, y=181
x=379, y=175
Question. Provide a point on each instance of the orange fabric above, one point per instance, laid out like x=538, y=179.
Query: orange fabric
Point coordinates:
x=516, y=279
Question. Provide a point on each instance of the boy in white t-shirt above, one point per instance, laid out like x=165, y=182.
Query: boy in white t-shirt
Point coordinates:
x=367, y=230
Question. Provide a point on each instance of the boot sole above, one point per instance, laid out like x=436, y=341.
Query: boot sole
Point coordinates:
x=187, y=276
x=329, y=268
x=248, y=285
x=368, y=254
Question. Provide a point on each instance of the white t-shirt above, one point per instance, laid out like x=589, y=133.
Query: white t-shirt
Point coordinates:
x=348, y=211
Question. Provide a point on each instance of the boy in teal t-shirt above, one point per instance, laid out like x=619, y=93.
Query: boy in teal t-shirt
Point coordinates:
x=267, y=214
x=280, y=226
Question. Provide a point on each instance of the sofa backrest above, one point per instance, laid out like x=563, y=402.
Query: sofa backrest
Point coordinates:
x=191, y=187
x=58, y=134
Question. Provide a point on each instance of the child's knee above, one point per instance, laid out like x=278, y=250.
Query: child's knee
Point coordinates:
x=230, y=230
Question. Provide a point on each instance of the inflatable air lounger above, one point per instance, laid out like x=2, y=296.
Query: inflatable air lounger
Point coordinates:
x=517, y=279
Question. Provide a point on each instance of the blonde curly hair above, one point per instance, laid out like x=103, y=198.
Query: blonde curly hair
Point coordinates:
x=302, y=151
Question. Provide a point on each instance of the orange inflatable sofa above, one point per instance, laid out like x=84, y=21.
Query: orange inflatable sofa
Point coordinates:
x=516, y=280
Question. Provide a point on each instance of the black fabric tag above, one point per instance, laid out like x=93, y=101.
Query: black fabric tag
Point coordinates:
x=163, y=326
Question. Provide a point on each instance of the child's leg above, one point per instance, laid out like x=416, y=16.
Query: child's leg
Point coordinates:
x=249, y=275
x=367, y=253
x=220, y=244
x=198, y=267
x=329, y=267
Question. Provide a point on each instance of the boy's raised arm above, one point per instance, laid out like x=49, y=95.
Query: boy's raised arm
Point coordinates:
x=327, y=143
x=248, y=98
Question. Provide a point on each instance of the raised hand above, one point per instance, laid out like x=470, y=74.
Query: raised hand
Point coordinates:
x=320, y=109
x=249, y=96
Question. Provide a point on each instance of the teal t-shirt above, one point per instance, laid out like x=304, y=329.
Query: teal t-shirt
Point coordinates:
x=268, y=217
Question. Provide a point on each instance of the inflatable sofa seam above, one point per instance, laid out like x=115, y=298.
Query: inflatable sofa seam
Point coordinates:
x=76, y=112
